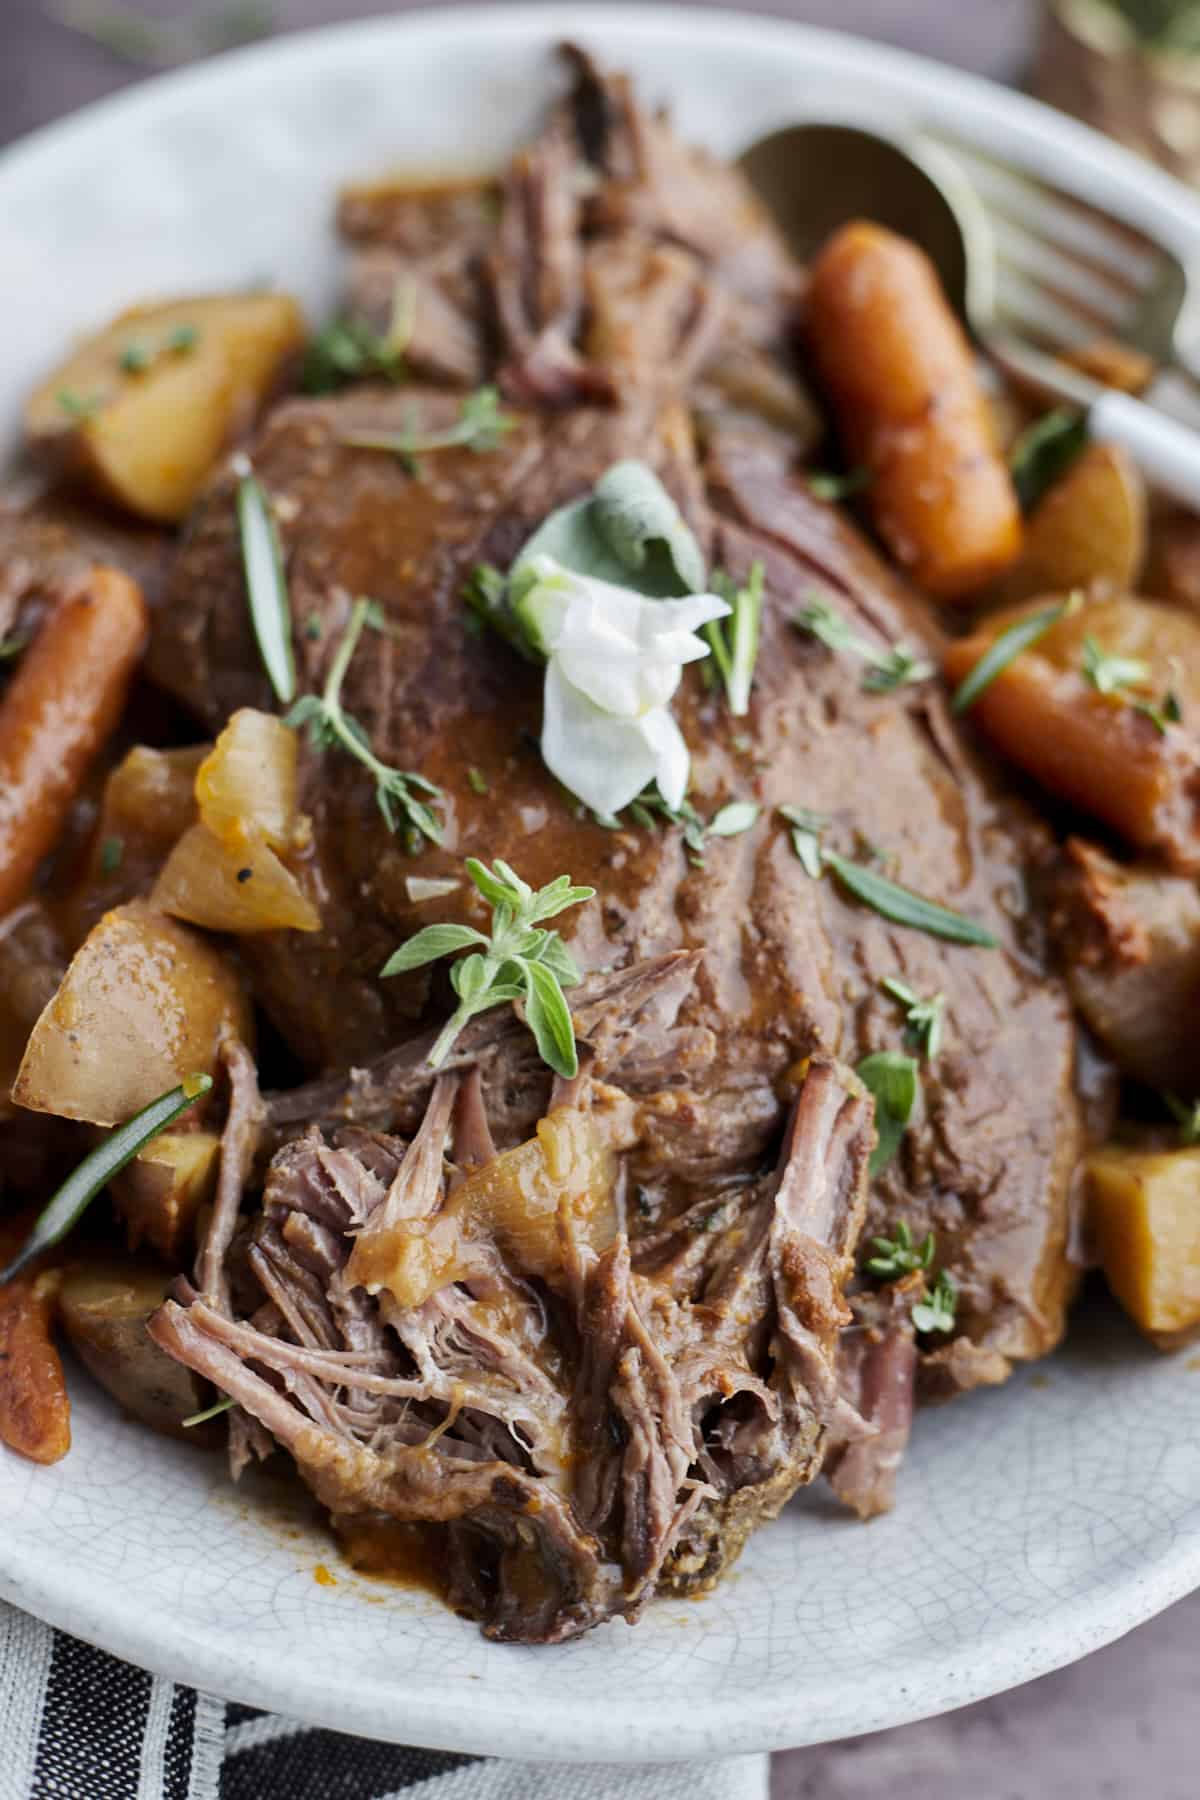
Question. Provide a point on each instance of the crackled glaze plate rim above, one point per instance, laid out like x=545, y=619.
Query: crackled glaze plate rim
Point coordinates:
x=1119, y=1553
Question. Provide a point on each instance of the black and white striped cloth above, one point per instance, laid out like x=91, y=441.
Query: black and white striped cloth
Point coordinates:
x=77, y=1724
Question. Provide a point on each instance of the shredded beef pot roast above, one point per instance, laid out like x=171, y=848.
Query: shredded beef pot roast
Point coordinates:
x=612, y=1412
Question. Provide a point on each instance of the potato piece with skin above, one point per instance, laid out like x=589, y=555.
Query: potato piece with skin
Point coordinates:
x=161, y=1193
x=1087, y=531
x=1144, y=1214
x=911, y=409
x=144, y=1003
x=143, y=409
x=104, y=1306
x=1098, y=751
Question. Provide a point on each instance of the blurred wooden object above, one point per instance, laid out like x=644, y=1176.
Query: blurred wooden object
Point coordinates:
x=1090, y=61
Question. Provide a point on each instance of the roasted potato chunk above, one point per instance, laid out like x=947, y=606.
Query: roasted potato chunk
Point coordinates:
x=142, y=410
x=104, y=1306
x=144, y=1003
x=1088, y=531
x=161, y=1192
x=1144, y=1209
x=1102, y=751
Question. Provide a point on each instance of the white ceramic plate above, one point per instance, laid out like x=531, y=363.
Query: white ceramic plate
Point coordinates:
x=1034, y=1523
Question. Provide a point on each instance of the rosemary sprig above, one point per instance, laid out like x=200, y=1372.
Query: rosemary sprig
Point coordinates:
x=480, y=426
x=734, y=640
x=1004, y=649
x=98, y=1168
x=924, y=1019
x=329, y=725
x=899, y=1255
x=904, y=907
x=886, y=669
x=516, y=961
x=266, y=581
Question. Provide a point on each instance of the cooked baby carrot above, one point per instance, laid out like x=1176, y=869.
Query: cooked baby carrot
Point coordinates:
x=910, y=409
x=35, y=1413
x=60, y=707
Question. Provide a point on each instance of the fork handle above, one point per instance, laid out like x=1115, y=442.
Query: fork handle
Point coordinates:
x=1167, y=453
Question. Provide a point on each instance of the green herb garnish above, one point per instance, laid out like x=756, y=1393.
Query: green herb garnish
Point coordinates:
x=477, y=781
x=480, y=426
x=517, y=961
x=1161, y=713
x=349, y=350
x=923, y=1018
x=806, y=837
x=904, y=907
x=899, y=1255
x=135, y=358
x=79, y=406
x=937, y=1312
x=1045, y=451
x=1186, y=1114
x=886, y=669
x=13, y=646
x=111, y=852
x=1021, y=635
x=733, y=819
x=824, y=485
x=734, y=641
x=98, y=1168
x=210, y=1412
x=181, y=340
x=329, y=725
x=1111, y=674
x=893, y=1081
x=266, y=582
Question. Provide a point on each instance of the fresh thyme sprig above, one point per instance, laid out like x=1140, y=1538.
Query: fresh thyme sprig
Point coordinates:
x=480, y=426
x=936, y=1313
x=886, y=669
x=924, y=1019
x=734, y=641
x=329, y=725
x=516, y=961
x=347, y=349
x=899, y=1255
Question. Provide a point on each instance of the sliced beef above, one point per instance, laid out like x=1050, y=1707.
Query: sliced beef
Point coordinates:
x=48, y=543
x=876, y=1366
x=580, y=1439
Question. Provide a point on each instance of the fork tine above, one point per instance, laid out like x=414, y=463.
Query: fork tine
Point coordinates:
x=1102, y=243
x=1033, y=311
x=1041, y=263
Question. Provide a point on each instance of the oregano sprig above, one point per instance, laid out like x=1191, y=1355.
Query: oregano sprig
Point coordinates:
x=517, y=960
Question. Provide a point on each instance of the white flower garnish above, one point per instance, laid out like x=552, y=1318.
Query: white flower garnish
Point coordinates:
x=614, y=661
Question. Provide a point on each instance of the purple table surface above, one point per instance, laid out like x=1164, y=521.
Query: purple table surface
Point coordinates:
x=1122, y=1722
